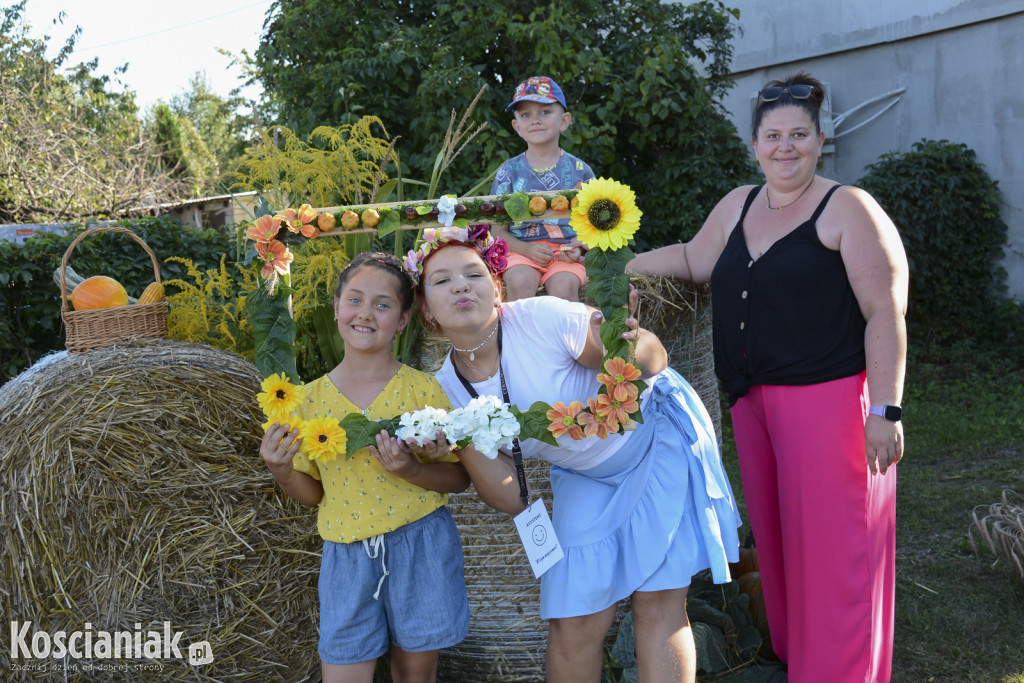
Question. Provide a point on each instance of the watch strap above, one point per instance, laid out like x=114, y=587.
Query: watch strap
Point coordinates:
x=887, y=412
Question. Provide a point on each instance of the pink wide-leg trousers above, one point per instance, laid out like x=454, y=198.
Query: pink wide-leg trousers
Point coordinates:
x=825, y=529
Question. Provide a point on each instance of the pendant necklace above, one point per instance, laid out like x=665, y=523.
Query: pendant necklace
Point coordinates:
x=779, y=208
x=472, y=351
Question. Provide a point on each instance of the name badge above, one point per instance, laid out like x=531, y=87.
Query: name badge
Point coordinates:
x=538, y=537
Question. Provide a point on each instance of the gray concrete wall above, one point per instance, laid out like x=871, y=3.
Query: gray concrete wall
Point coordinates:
x=961, y=65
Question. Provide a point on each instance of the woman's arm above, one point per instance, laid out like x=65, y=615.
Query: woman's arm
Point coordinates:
x=278, y=449
x=694, y=260
x=876, y=264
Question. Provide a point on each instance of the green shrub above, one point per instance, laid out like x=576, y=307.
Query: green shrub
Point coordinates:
x=30, y=322
x=947, y=210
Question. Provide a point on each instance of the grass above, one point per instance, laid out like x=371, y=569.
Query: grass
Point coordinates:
x=959, y=617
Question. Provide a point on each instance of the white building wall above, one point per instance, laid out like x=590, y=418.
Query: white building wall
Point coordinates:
x=961, y=64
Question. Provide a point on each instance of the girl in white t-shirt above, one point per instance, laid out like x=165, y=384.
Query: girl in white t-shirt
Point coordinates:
x=638, y=513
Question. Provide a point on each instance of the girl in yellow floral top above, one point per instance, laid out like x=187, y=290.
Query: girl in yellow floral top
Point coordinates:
x=391, y=576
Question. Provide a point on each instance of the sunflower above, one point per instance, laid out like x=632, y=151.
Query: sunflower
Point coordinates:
x=279, y=398
x=606, y=216
x=323, y=438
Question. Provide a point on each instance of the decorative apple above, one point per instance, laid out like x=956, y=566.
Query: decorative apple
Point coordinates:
x=559, y=203
x=350, y=220
x=371, y=218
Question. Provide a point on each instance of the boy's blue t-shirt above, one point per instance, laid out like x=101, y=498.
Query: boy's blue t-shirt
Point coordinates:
x=516, y=175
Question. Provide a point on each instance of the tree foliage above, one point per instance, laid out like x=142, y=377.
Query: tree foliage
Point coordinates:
x=70, y=146
x=643, y=80
x=946, y=207
x=216, y=121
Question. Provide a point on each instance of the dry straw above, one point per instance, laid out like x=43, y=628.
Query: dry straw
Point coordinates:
x=1002, y=529
x=133, y=493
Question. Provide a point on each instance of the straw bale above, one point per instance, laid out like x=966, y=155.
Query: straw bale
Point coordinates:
x=133, y=493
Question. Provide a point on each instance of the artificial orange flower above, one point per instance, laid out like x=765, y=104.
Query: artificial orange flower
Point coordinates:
x=264, y=229
x=276, y=257
x=306, y=214
x=614, y=410
x=619, y=379
x=593, y=424
x=563, y=420
x=290, y=218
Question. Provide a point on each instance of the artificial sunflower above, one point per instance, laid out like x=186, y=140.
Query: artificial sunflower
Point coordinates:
x=279, y=398
x=323, y=438
x=606, y=216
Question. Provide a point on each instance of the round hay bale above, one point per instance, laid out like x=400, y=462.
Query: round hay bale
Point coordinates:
x=679, y=313
x=133, y=495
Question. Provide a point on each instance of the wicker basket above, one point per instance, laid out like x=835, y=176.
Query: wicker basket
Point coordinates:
x=97, y=328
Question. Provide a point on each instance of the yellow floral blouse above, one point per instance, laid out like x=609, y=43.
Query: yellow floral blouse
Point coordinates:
x=361, y=499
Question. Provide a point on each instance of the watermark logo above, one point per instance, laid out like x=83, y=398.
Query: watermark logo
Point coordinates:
x=29, y=644
x=200, y=653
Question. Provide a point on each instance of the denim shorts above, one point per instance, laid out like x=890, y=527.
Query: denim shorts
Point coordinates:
x=420, y=604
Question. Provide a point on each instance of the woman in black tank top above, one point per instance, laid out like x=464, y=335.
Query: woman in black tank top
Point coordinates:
x=809, y=284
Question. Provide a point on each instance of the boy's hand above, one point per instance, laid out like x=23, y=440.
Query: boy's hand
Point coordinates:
x=570, y=254
x=541, y=254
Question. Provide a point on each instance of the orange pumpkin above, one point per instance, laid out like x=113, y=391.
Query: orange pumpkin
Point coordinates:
x=98, y=291
x=747, y=559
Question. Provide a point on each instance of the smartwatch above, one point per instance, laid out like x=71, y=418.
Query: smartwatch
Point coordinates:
x=887, y=412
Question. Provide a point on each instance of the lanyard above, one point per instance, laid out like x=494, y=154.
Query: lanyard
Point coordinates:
x=517, y=452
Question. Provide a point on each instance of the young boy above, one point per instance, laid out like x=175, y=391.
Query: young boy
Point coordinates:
x=542, y=252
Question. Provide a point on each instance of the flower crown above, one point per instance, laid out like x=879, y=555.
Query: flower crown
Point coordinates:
x=493, y=251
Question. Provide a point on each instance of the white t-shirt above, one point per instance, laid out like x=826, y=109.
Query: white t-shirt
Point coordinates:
x=541, y=339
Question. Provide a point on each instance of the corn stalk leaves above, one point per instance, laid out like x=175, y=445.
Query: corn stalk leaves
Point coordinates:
x=329, y=341
x=274, y=331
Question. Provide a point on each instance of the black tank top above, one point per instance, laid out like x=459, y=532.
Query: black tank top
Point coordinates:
x=789, y=317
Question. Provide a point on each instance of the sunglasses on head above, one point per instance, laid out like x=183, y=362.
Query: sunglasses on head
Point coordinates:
x=796, y=91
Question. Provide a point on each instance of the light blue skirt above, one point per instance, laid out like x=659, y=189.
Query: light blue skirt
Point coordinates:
x=656, y=513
